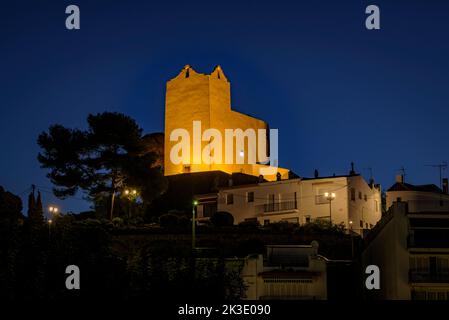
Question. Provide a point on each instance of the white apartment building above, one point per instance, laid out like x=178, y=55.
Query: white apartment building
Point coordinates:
x=347, y=199
x=427, y=197
x=411, y=248
x=288, y=272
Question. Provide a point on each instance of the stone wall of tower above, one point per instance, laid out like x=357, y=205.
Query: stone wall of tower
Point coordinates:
x=193, y=96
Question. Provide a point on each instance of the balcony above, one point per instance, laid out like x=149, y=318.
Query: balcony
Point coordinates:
x=424, y=206
x=277, y=207
x=428, y=277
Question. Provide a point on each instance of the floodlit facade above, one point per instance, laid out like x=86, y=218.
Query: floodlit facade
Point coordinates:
x=193, y=96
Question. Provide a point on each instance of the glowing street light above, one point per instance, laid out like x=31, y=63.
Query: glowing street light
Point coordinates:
x=195, y=203
x=53, y=209
x=330, y=196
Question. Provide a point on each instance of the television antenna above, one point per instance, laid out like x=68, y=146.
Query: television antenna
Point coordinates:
x=441, y=166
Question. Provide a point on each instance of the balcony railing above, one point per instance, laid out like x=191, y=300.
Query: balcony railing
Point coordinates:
x=277, y=206
x=416, y=276
x=434, y=205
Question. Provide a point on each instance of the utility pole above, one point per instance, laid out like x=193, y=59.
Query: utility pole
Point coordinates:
x=194, y=204
x=402, y=170
x=442, y=166
x=370, y=172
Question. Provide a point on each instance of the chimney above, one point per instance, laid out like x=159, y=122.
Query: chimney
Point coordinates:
x=445, y=186
x=316, y=173
x=352, y=172
x=278, y=176
x=400, y=178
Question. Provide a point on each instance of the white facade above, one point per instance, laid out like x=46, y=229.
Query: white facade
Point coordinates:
x=356, y=204
x=427, y=198
x=288, y=272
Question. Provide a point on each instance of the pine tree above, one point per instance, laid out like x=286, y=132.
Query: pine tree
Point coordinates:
x=31, y=204
x=35, y=211
x=38, y=210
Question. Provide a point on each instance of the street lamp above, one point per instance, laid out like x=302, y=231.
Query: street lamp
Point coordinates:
x=352, y=238
x=49, y=227
x=330, y=196
x=195, y=203
x=131, y=196
x=53, y=209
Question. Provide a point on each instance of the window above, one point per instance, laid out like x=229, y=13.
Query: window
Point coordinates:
x=361, y=224
x=270, y=205
x=366, y=225
x=352, y=194
x=360, y=195
x=250, y=196
x=442, y=265
x=365, y=197
x=419, y=264
x=229, y=198
x=307, y=219
x=370, y=226
x=296, y=202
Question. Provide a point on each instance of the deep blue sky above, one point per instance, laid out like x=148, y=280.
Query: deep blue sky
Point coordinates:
x=336, y=91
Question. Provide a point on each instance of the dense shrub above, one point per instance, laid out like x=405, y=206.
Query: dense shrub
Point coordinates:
x=168, y=220
x=222, y=219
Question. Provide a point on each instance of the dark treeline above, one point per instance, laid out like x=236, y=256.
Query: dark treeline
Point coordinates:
x=34, y=255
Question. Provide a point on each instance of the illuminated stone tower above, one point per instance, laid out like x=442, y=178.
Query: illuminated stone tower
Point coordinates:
x=192, y=96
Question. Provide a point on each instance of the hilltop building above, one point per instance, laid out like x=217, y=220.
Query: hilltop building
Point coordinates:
x=193, y=96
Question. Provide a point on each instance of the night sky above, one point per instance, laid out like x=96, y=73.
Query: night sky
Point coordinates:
x=336, y=91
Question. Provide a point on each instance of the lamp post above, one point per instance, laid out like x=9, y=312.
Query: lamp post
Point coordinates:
x=53, y=212
x=352, y=239
x=53, y=209
x=131, y=196
x=330, y=196
x=49, y=228
x=195, y=203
